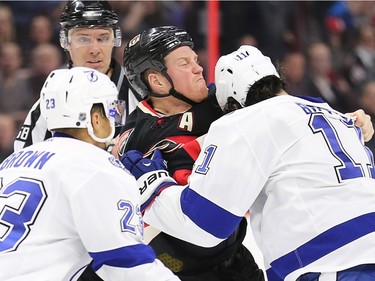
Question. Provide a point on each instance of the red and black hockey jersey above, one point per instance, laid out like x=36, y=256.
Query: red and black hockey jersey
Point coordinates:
x=147, y=130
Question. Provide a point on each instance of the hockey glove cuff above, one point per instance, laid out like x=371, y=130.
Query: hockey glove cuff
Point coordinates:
x=151, y=185
x=151, y=174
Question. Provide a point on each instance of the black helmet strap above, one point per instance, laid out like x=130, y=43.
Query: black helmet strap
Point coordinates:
x=179, y=96
x=172, y=92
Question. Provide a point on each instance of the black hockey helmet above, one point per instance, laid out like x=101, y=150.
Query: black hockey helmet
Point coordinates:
x=147, y=51
x=88, y=14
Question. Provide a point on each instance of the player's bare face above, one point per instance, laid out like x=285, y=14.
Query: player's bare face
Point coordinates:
x=91, y=47
x=186, y=73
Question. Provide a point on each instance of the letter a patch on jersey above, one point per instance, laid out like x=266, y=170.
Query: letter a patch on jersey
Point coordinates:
x=186, y=122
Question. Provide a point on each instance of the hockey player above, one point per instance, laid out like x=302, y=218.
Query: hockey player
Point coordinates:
x=89, y=31
x=304, y=173
x=66, y=200
x=161, y=65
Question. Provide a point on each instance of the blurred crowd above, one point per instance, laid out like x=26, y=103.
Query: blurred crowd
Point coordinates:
x=323, y=48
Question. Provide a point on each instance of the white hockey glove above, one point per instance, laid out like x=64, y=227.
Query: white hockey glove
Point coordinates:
x=151, y=174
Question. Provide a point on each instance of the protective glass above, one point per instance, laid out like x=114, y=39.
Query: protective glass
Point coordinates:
x=117, y=111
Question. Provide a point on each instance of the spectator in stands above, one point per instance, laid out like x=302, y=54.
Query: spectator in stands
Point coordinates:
x=7, y=135
x=25, y=11
x=361, y=63
x=294, y=69
x=247, y=39
x=40, y=32
x=44, y=58
x=7, y=28
x=271, y=22
x=136, y=16
x=322, y=80
x=15, y=92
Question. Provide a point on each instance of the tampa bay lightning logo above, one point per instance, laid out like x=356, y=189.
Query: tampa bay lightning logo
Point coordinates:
x=115, y=162
x=91, y=76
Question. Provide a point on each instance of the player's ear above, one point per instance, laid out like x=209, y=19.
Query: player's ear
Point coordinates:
x=100, y=124
x=158, y=83
x=97, y=118
x=95, y=122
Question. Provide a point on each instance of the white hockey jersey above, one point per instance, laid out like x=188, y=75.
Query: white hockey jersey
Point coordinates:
x=64, y=202
x=304, y=173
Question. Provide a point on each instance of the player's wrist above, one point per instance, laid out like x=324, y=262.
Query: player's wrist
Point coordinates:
x=151, y=184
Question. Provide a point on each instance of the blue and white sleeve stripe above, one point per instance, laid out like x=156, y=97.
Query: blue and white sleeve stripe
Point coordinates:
x=207, y=215
x=127, y=257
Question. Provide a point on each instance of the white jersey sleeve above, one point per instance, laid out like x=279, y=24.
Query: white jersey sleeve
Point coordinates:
x=304, y=173
x=63, y=203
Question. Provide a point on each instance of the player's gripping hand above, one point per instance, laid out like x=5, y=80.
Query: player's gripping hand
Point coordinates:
x=138, y=165
x=151, y=174
x=363, y=121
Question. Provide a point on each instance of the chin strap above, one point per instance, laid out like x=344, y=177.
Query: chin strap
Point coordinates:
x=172, y=92
x=177, y=95
x=111, y=66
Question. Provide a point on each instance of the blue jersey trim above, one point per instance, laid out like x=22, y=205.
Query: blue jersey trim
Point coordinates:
x=363, y=272
x=126, y=257
x=323, y=244
x=62, y=135
x=272, y=275
x=312, y=99
x=207, y=215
